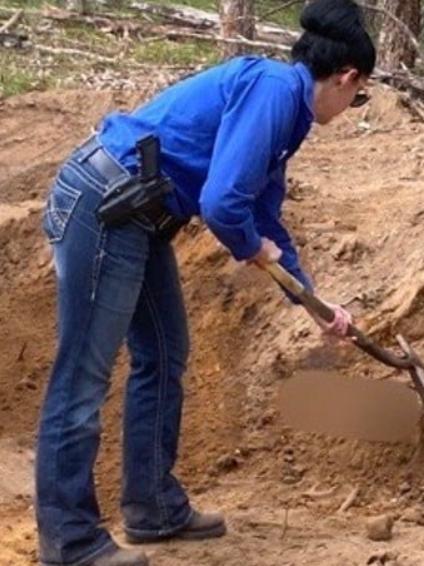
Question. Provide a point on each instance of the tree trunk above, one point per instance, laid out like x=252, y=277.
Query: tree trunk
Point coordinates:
x=394, y=47
x=372, y=18
x=237, y=19
x=81, y=6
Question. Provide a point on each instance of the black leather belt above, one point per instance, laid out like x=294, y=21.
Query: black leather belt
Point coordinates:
x=164, y=224
x=94, y=153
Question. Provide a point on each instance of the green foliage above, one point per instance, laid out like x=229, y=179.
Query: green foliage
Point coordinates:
x=86, y=34
x=15, y=80
x=167, y=52
x=20, y=71
x=23, y=3
x=210, y=5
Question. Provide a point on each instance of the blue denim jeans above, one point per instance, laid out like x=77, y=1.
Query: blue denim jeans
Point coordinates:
x=113, y=284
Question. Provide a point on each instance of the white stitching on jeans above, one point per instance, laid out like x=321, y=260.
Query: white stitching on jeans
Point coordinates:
x=58, y=216
x=88, y=179
x=163, y=370
x=98, y=262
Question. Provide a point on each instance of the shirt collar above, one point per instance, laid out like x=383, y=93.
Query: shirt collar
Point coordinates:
x=308, y=83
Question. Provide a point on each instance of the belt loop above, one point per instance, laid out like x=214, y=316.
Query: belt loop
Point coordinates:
x=88, y=147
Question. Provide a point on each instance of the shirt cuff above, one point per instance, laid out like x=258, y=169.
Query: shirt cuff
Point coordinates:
x=241, y=239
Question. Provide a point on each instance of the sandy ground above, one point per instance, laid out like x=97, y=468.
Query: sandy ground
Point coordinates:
x=356, y=209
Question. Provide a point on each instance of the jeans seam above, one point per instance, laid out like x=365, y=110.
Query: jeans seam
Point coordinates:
x=163, y=370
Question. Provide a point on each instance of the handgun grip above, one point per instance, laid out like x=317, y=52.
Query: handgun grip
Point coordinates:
x=148, y=152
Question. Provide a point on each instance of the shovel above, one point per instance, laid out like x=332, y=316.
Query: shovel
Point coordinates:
x=408, y=361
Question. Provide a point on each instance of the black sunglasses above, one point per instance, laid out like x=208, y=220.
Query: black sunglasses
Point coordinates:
x=360, y=99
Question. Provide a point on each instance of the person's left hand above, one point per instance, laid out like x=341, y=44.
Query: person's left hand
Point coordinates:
x=340, y=324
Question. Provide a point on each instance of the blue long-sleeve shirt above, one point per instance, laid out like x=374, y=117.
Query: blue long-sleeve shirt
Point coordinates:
x=225, y=135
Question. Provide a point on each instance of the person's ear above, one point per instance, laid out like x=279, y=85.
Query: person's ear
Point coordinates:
x=349, y=77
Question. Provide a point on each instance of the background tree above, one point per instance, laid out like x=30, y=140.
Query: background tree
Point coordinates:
x=395, y=47
x=237, y=18
x=81, y=6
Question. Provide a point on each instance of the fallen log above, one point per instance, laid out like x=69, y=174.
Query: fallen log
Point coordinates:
x=201, y=19
x=179, y=15
x=108, y=23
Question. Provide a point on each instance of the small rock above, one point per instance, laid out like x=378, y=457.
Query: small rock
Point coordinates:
x=291, y=480
x=300, y=470
x=267, y=418
x=386, y=558
x=358, y=460
x=405, y=487
x=380, y=528
x=227, y=463
x=364, y=126
x=349, y=249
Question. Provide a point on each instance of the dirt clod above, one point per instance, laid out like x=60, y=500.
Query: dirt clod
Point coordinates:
x=413, y=515
x=405, y=487
x=227, y=463
x=384, y=558
x=380, y=528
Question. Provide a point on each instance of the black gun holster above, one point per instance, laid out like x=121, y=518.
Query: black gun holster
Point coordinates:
x=141, y=196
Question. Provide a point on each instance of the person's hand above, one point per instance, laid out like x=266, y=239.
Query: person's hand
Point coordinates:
x=340, y=324
x=269, y=253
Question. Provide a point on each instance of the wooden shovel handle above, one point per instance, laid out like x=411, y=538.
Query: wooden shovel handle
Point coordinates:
x=312, y=303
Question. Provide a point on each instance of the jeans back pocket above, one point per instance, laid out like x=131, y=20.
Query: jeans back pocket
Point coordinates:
x=60, y=205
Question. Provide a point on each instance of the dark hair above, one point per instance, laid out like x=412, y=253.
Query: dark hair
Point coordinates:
x=335, y=37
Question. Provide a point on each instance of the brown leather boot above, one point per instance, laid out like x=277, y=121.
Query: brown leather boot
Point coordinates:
x=121, y=557
x=203, y=526
x=200, y=526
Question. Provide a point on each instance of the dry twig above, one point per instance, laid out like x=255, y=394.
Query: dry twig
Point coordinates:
x=285, y=523
x=349, y=501
x=77, y=52
x=109, y=60
x=315, y=493
x=284, y=6
x=12, y=21
x=21, y=353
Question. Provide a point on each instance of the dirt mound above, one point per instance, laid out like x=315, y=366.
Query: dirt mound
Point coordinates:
x=355, y=208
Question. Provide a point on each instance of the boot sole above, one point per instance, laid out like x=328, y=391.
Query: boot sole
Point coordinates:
x=185, y=534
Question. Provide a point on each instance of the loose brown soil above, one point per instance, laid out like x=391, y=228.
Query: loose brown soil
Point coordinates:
x=357, y=211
